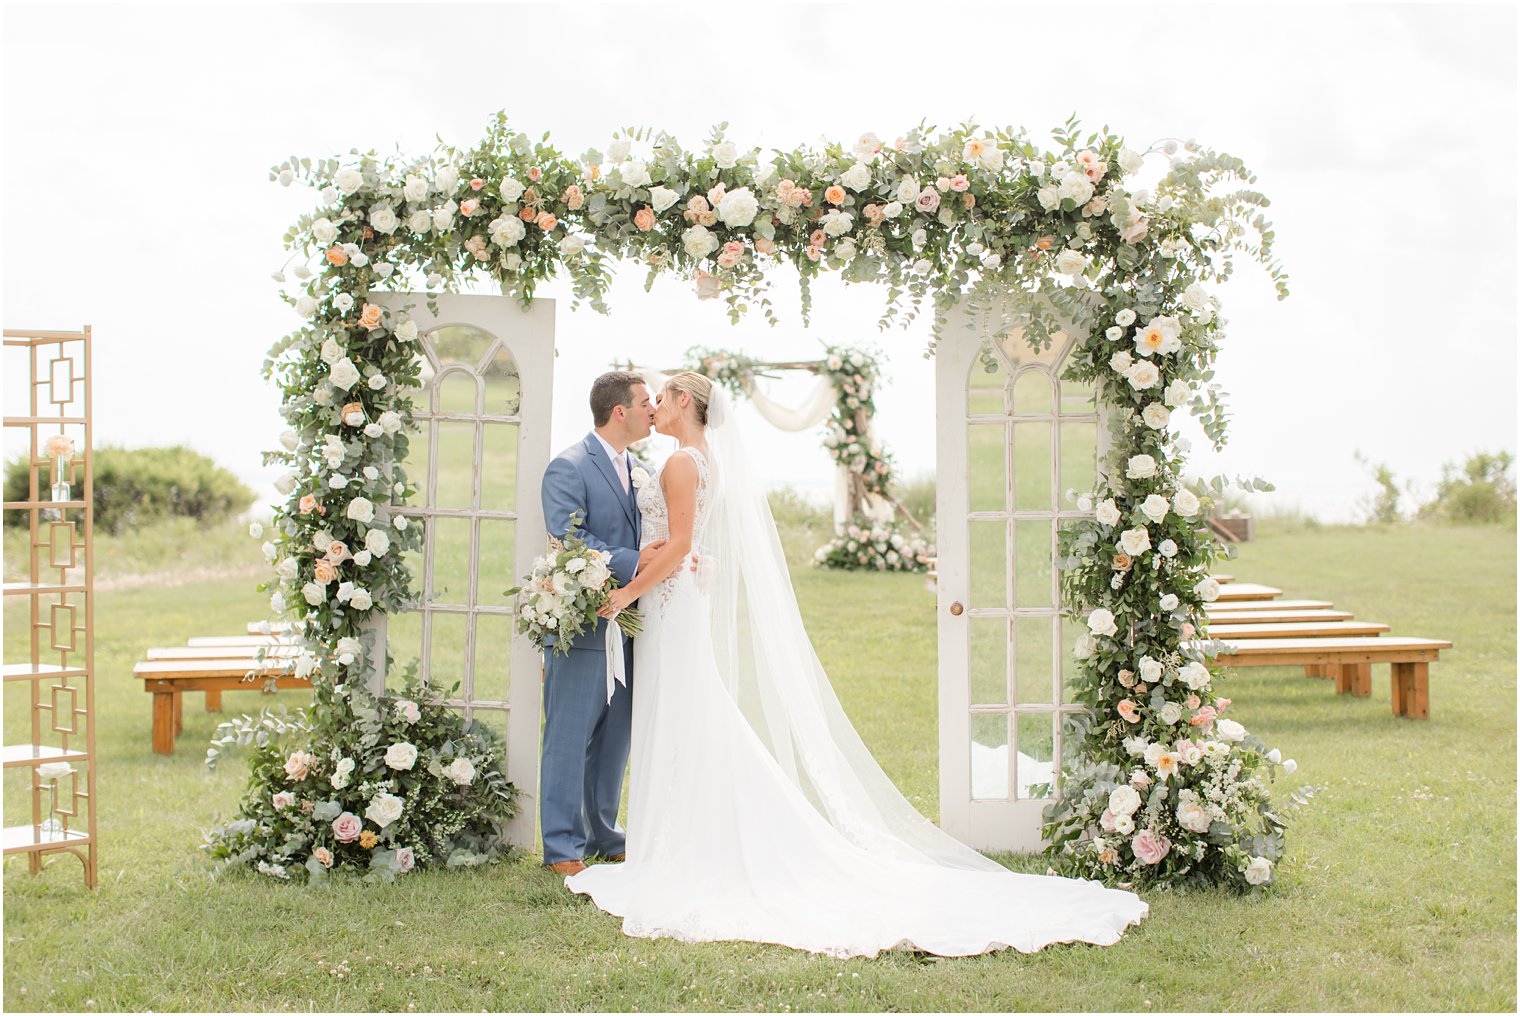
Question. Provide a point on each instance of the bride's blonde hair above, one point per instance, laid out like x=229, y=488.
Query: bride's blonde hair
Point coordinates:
x=696, y=385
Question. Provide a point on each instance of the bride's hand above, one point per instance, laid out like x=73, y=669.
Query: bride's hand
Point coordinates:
x=618, y=601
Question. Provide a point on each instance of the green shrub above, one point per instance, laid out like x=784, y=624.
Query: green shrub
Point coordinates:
x=139, y=486
x=1481, y=490
x=1382, y=506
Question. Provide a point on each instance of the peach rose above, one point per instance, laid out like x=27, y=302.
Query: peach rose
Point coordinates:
x=1141, y=688
x=1128, y=710
x=1188, y=630
x=644, y=218
x=298, y=765
x=469, y=207
x=729, y=258
x=530, y=196
x=1122, y=562
x=797, y=197
x=324, y=856
x=959, y=183
x=1192, y=702
x=818, y=238
x=1045, y=242
x=546, y=221
x=573, y=197
x=337, y=255
x=764, y=246
x=324, y=572
x=1127, y=678
x=1222, y=704
x=1108, y=855
x=834, y=195
x=873, y=215
x=477, y=184
x=308, y=503
x=1204, y=718
x=968, y=199
x=535, y=174
x=369, y=317
x=527, y=213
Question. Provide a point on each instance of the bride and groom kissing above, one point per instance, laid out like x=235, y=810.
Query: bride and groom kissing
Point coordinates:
x=755, y=811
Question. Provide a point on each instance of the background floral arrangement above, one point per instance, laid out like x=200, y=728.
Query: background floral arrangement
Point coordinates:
x=381, y=785
x=1053, y=238
x=879, y=542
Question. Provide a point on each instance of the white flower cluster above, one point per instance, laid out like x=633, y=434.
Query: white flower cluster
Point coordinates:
x=558, y=595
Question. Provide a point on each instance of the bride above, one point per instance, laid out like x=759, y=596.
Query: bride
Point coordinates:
x=755, y=811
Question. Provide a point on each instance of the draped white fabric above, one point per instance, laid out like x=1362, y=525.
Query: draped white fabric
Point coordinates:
x=813, y=411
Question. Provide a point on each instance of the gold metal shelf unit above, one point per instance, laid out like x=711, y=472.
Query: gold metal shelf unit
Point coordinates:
x=59, y=585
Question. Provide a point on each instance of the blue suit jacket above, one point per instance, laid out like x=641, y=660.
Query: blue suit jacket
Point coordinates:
x=582, y=479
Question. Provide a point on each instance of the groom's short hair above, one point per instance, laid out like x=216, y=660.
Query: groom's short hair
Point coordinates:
x=614, y=388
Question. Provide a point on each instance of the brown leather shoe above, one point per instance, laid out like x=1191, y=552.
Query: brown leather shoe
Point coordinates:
x=617, y=858
x=566, y=867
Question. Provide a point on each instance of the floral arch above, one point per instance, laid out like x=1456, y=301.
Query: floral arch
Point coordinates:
x=1165, y=789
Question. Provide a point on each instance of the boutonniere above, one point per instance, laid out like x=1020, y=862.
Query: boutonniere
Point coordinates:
x=639, y=476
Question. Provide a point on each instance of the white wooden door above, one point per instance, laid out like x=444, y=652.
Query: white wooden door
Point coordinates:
x=478, y=457
x=1013, y=440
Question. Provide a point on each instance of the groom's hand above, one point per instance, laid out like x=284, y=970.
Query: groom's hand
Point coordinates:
x=647, y=553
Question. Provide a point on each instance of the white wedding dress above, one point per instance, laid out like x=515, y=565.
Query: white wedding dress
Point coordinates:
x=755, y=813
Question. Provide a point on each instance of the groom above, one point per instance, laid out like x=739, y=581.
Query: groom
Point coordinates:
x=585, y=742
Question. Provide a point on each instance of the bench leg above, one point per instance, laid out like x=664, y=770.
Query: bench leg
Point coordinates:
x=163, y=722
x=1354, y=679
x=1411, y=690
x=179, y=713
x=1321, y=670
x=213, y=701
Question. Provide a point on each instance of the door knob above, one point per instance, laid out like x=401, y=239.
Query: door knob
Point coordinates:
x=956, y=608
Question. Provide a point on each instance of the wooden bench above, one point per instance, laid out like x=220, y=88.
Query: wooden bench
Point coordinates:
x=1222, y=605
x=1352, y=658
x=1234, y=617
x=1299, y=630
x=1234, y=591
x=167, y=679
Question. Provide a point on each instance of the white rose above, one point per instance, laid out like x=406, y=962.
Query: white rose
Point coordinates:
x=1114, y=334
x=661, y=198
x=443, y=218
x=1071, y=262
x=908, y=190
x=737, y=208
x=400, y=523
x=617, y=150
x=1178, y=392
x=511, y=189
x=1107, y=512
x=1135, y=541
x=1143, y=375
x=1085, y=646
x=1186, y=503
x=461, y=771
x=1194, y=674
x=1121, y=361
x=507, y=230
x=314, y=594
x=1155, y=507
x=383, y=218
x=414, y=189
x=390, y=421
x=1170, y=713
x=384, y=809
x=420, y=221
x=341, y=773
x=1229, y=730
x=348, y=180
x=1077, y=187
x=1125, y=317
x=1274, y=756
x=286, y=483
x=1050, y=197
x=571, y=245
x=635, y=173
x=406, y=331
x=1207, y=590
x=1259, y=871
x=892, y=209
x=289, y=440
x=1101, y=622
x=725, y=154
x=1150, y=670
x=1156, y=415
x=270, y=551
x=401, y=755
x=324, y=231
x=277, y=602
x=1135, y=745
x=1084, y=503
x=54, y=770
x=377, y=542
x=1195, y=299
x=1124, y=824
x=699, y=242
x=343, y=374
x=1123, y=800
x=1193, y=816
x=306, y=306
x=1168, y=548
x=288, y=569
x=1289, y=766
x=1169, y=602
x=1140, y=467
x=361, y=509
x=362, y=559
x=857, y=177
x=360, y=599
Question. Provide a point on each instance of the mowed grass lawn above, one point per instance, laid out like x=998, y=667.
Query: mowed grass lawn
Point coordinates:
x=1398, y=891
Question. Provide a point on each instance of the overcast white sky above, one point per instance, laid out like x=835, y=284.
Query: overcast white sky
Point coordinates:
x=137, y=141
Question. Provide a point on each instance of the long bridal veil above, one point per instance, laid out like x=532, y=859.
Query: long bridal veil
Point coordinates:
x=768, y=664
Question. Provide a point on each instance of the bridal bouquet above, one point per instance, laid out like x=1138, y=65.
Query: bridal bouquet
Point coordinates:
x=561, y=596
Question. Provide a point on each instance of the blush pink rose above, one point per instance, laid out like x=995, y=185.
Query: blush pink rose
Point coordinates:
x=1106, y=821
x=1222, y=704
x=347, y=826
x=958, y=182
x=928, y=200
x=1204, y=718
x=573, y=197
x=469, y=207
x=535, y=174
x=546, y=221
x=1128, y=710
x=477, y=184
x=1149, y=846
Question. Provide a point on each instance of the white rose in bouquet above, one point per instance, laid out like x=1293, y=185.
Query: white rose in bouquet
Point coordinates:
x=324, y=232
x=1142, y=375
x=1186, y=503
x=341, y=773
x=406, y=331
x=420, y=221
x=725, y=154
x=306, y=306
x=737, y=208
x=461, y=771
x=1156, y=415
x=401, y=755
x=390, y=421
x=1135, y=541
x=377, y=542
x=699, y=242
x=1150, y=670
x=1101, y=622
x=1130, y=160
x=1193, y=816
x=1167, y=548
x=1140, y=467
x=415, y=188
x=661, y=197
x=1155, y=507
x=361, y=509
x=315, y=594
x=384, y=809
x=361, y=600
x=348, y=180
x=857, y=177
x=1049, y=197
x=635, y=173
x=343, y=374
x=511, y=189
x=1258, y=871
x=618, y=149
x=1107, y=512
x=1071, y=262
x=1178, y=392
x=507, y=230
x=1194, y=674
x=383, y=219
x=1229, y=730
x=1170, y=713
x=908, y=190
x=1123, y=800
x=1125, y=317
x=1169, y=602
x=1207, y=590
x=288, y=569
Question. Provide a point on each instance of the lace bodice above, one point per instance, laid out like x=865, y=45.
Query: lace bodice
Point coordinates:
x=654, y=517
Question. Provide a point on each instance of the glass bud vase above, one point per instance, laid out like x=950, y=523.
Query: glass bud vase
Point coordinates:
x=60, y=478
